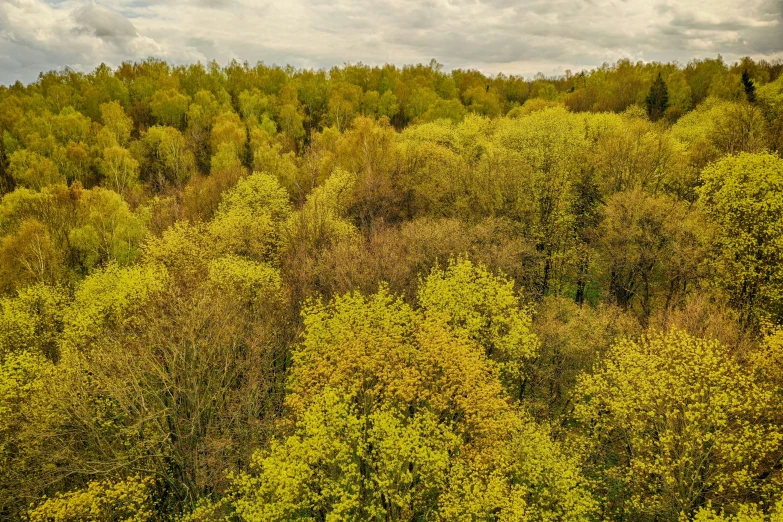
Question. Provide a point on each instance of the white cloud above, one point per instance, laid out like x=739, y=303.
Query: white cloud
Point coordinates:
x=521, y=37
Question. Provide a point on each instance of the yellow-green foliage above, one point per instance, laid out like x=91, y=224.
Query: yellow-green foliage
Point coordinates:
x=249, y=217
x=31, y=170
x=119, y=168
x=110, y=230
x=126, y=500
x=396, y=416
x=32, y=321
x=20, y=377
x=175, y=354
x=572, y=338
x=435, y=168
x=632, y=152
x=471, y=135
x=440, y=132
x=267, y=158
x=485, y=308
x=342, y=465
x=116, y=122
x=744, y=513
x=680, y=422
x=228, y=133
x=26, y=413
x=258, y=193
x=552, y=140
x=321, y=220
x=62, y=230
x=772, y=94
x=252, y=281
x=553, y=143
x=183, y=248
x=653, y=247
x=171, y=158
x=531, y=478
x=109, y=297
x=719, y=127
x=743, y=196
x=169, y=106
x=222, y=297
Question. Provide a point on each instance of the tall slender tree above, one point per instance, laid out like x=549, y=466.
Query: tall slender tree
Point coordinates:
x=657, y=99
x=749, y=86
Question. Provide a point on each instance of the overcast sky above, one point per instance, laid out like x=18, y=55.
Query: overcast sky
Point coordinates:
x=510, y=36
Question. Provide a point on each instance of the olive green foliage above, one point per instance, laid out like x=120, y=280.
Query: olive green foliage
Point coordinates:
x=252, y=292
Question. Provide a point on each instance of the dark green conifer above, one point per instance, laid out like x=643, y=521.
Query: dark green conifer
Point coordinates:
x=750, y=88
x=657, y=99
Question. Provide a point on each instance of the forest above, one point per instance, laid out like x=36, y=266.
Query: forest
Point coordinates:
x=262, y=293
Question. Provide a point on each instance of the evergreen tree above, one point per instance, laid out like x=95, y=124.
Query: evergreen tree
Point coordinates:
x=750, y=88
x=657, y=99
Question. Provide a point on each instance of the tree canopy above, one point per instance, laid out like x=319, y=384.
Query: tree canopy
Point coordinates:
x=252, y=292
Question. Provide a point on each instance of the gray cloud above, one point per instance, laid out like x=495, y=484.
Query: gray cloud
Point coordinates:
x=104, y=23
x=512, y=36
x=759, y=33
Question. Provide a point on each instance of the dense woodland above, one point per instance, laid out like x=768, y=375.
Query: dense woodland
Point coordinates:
x=395, y=294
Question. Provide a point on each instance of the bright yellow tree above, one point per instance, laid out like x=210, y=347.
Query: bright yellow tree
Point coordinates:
x=486, y=309
x=743, y=197
x=677, y=422
x=394, y=416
